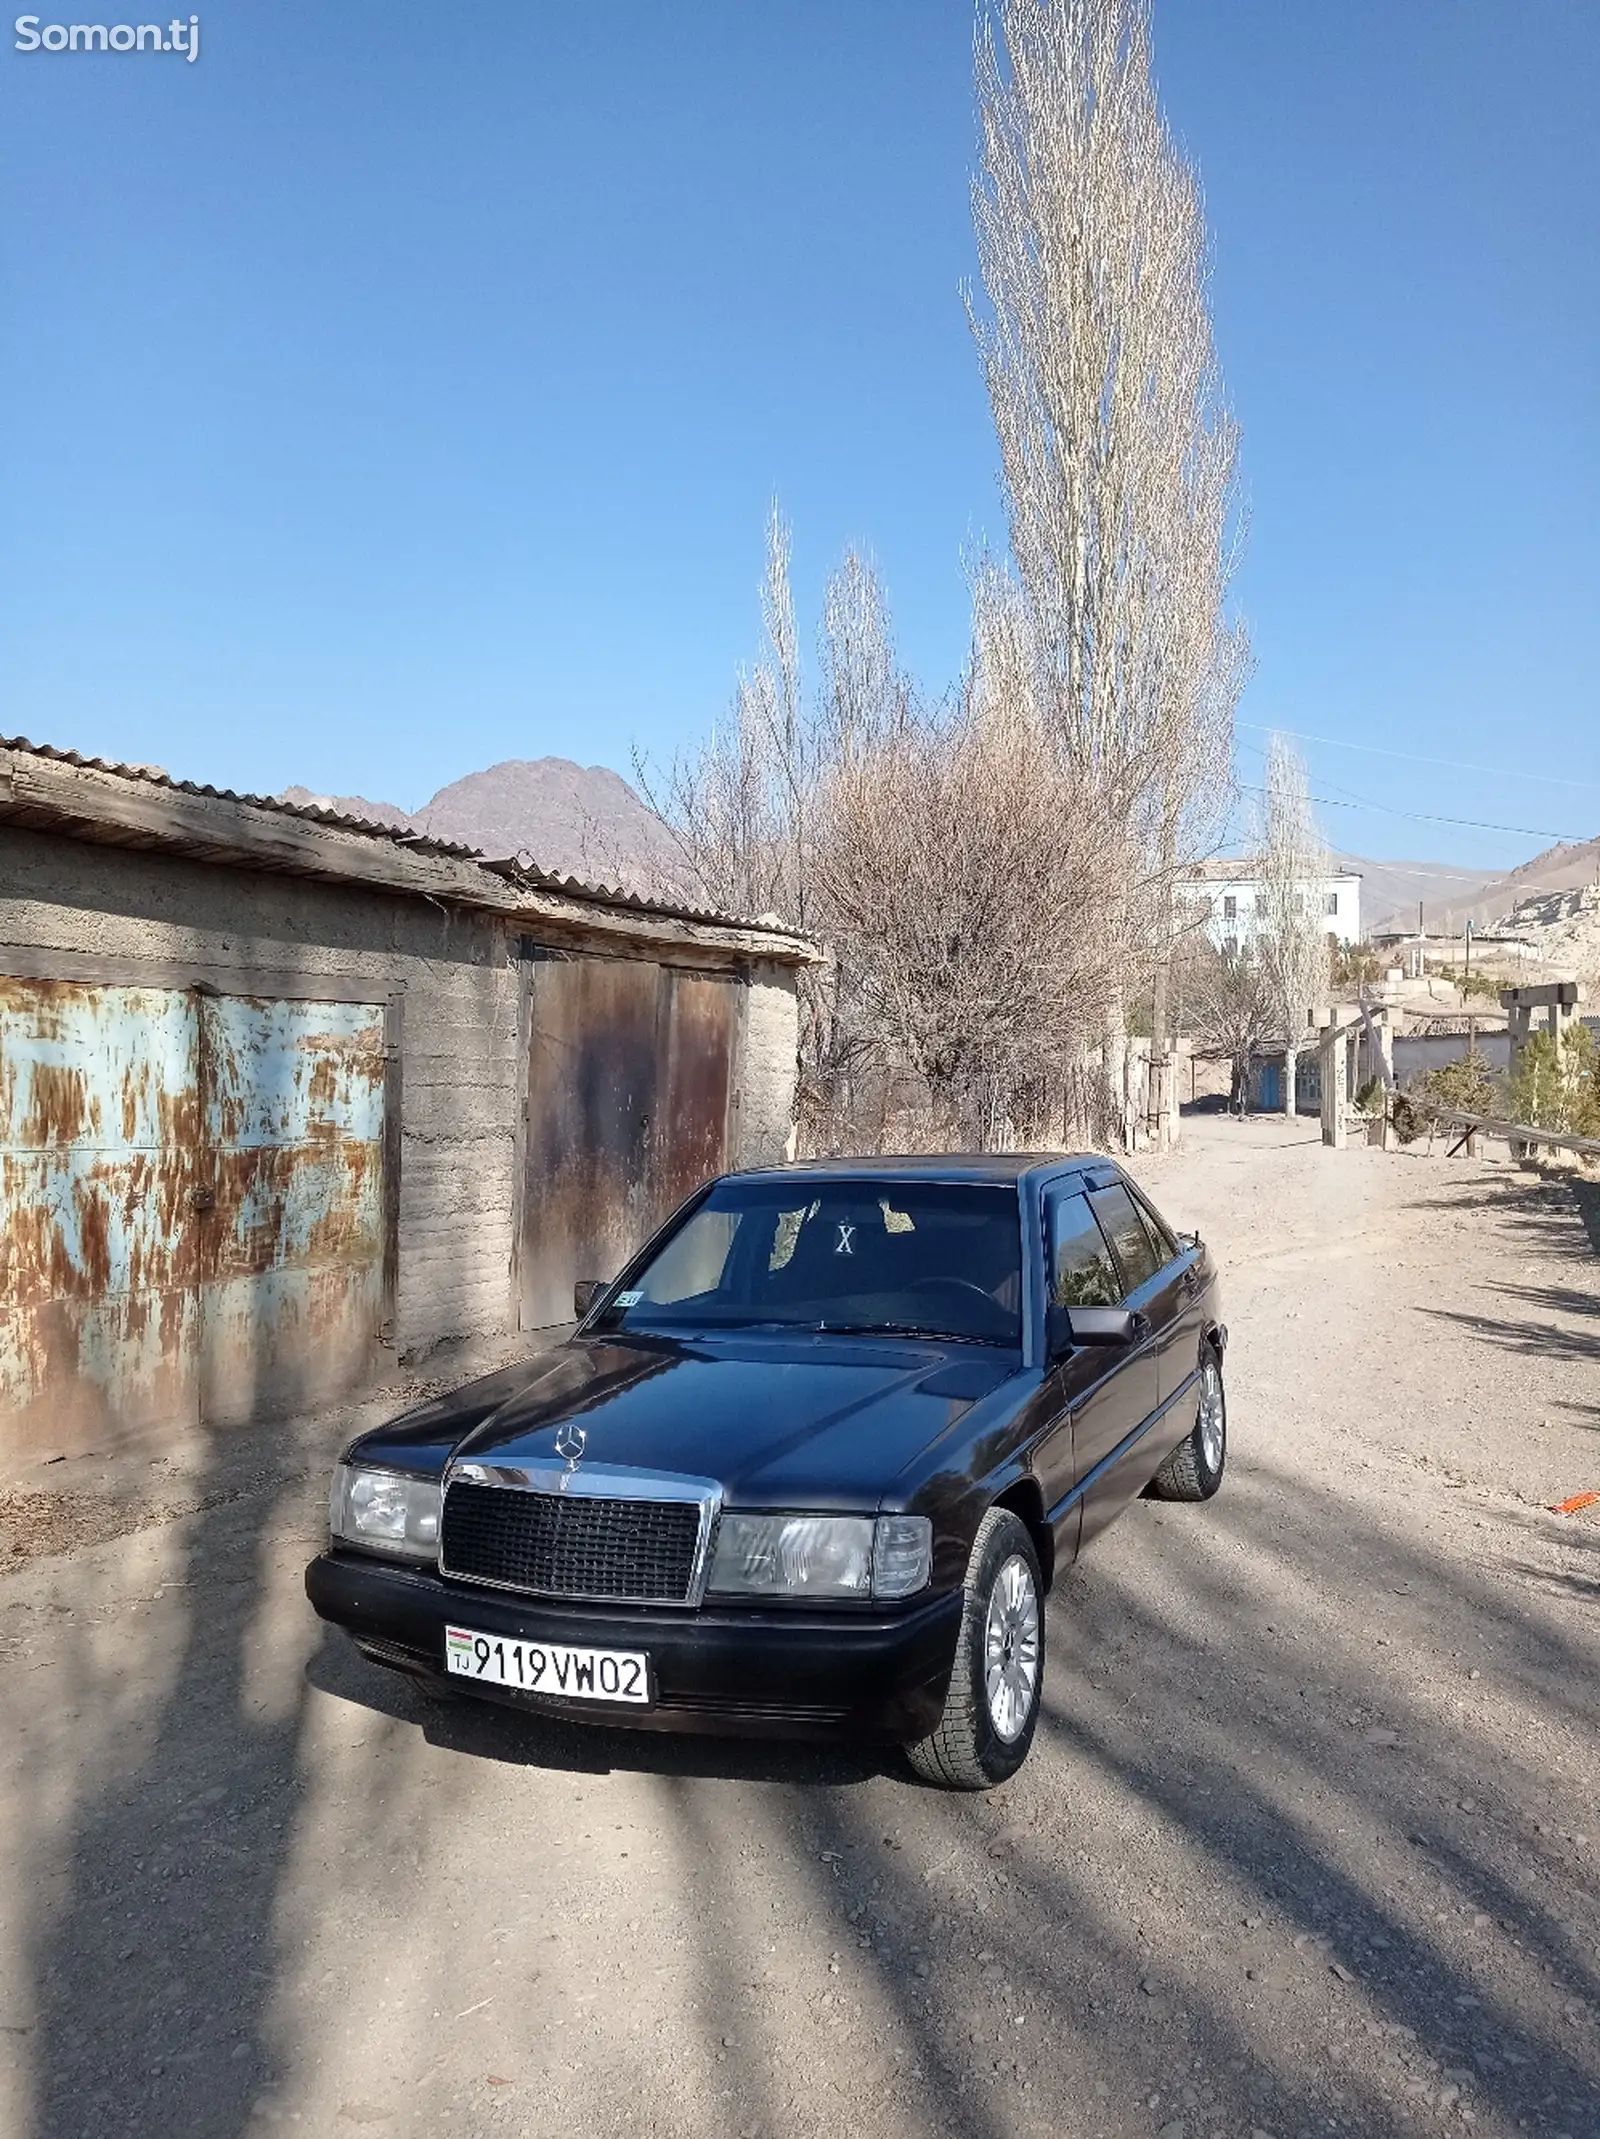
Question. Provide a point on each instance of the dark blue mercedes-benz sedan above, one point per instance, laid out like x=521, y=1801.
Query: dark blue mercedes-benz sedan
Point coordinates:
x=809, y=1464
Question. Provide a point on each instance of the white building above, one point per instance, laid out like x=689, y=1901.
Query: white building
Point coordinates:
x=1233, y=901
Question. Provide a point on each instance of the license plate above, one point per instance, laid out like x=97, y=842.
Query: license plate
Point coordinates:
x=549, y=1667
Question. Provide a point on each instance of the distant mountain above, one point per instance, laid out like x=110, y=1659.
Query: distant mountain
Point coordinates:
x=350, y=806
x=1390, y=891
x=1568, y=867
x=572, y=820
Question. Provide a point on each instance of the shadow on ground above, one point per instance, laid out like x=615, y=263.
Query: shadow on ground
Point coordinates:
x=1214, y=1894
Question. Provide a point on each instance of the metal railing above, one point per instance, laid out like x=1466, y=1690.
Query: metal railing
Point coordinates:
x=1525, y=1134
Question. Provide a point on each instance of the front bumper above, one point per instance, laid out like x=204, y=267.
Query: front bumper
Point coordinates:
x=792, y=1672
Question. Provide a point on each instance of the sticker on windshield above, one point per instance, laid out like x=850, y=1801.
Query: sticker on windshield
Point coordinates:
x=629, y=1299
x=847, y=1234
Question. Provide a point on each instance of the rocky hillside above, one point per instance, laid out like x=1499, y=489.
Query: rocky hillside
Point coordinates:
x=1557, y=869
x=573, y=820
x=1563, y=927
x=1450, y=896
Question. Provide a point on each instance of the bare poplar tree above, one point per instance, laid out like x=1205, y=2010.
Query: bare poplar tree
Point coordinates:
x=1116, y=444
x=737, y=805
x=1291, y=942
x=744, y=808
x=865, y=697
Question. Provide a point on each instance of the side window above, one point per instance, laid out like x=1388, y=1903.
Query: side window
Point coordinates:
x=1114, y=1208
x=1161, y=1234
x=1081, y=1272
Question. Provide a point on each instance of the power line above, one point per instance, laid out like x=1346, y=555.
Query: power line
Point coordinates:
x=1474, y=824
x=1411, y=757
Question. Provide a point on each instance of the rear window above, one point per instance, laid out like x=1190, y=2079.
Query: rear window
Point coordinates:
x=851, y=1255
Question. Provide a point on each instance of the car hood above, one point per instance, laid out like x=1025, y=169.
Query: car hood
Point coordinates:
x=796, y=1422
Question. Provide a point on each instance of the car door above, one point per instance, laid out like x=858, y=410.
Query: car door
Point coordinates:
x=1148, y=1290
x=1179, y=1344
x=1107, y=1391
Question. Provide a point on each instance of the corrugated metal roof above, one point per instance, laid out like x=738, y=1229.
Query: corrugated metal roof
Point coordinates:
x=517, y=869
x=1244, y=869
x=154, y=776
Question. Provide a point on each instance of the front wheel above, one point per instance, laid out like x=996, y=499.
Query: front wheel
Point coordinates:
x=1194, y=1469
x=992, y=1706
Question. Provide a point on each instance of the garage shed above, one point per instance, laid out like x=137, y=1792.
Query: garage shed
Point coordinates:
x=287, y=1099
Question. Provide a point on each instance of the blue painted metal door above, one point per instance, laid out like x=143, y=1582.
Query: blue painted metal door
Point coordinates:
x=99, y=1301
x=191, y=1206
x=292, y=1098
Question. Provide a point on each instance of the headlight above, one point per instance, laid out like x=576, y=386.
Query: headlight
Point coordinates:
x=821, y=1556
x=385, y=1511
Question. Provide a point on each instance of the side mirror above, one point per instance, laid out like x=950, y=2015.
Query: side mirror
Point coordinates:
x=585, y=1293
x=1102, y=1325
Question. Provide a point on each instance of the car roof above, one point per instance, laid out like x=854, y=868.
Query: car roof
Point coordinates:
x=1003, y=1168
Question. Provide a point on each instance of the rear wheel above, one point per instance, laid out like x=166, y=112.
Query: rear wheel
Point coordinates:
x=1194, y=1469
x=992, y=1707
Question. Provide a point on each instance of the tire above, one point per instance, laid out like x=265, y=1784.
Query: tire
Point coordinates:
x=1194, y=1469
x=982, y=1740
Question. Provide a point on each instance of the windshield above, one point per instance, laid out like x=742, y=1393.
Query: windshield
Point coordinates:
x=865, y=1256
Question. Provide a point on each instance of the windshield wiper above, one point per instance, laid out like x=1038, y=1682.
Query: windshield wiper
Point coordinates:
x=906, y=1329
x=707, y=1326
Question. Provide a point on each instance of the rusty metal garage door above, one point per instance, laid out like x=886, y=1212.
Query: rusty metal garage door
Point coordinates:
x=630, y=1070
x=291, y=1169
x=191, y=1205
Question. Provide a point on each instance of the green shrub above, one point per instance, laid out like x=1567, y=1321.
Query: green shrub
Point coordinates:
x=1481, y=984
x=1405, y=1121
x=1557, y=1084
x=1467, y=1084
x=1354, y=963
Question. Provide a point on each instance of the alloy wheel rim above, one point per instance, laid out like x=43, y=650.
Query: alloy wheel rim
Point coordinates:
x=1011, y=1649
x=1211, y=1419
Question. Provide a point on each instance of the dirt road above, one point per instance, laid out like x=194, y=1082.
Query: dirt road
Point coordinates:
x=1307, y=1844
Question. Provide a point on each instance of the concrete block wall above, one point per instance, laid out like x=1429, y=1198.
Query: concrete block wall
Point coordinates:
x=763, y=1125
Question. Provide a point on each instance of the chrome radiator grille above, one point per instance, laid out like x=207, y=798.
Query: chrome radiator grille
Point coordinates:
x=599, y=1547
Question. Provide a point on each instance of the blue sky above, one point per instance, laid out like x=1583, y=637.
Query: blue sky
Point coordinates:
x=397, y=389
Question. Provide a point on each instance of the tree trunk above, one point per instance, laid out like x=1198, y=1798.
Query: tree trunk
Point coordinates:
x=1291, y=1056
